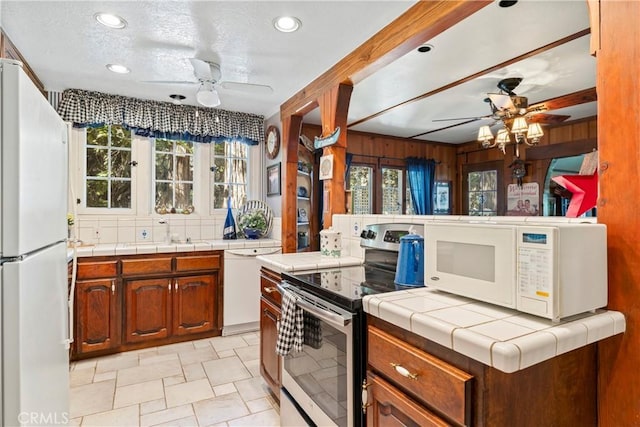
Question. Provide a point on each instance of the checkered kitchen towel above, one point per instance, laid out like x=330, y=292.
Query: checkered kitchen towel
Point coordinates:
x=291, y=325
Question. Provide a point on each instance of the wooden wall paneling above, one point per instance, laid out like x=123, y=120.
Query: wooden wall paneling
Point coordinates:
x=291, y=126
x=618, y=148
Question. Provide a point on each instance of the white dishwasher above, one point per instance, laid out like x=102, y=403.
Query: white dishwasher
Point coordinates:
x=241, y=311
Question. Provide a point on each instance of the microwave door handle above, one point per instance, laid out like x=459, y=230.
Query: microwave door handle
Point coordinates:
x=331, y=318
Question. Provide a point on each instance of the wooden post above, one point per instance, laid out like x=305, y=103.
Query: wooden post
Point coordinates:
x=291, y=126
x=334, y=106
x=618, y=145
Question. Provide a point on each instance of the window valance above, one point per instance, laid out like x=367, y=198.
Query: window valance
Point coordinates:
x=160, y=119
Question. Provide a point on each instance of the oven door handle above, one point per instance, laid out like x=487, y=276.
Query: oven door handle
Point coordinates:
x=331, y=318
x=334, y=319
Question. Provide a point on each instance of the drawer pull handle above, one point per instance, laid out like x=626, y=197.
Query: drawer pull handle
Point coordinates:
x=404, y=371
x=113, y=287
x=365, y=396
x=270, y=289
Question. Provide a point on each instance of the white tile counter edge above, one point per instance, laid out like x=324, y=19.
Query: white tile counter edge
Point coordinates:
x=152, y=248
x=502, y=338
x=304, y=261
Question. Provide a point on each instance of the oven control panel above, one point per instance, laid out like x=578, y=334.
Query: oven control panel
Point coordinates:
x=387, y=236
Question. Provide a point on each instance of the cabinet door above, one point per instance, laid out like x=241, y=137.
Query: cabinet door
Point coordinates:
x=194, y=304
x=97, y=326
x=148, y=309
x=387, y=406
x=269, y=360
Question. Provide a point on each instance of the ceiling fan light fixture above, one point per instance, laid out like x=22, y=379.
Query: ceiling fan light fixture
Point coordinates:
x=534, y=133
x=485, y=135
x=519, y=125
x=110, y=20
x=208, y=98
x=287, y=24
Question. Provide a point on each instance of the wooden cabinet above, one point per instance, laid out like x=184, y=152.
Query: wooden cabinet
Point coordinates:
x=414, y=381
x=128, y=302
x=97, y=325
x=270, y=301
x=148, y=308
x=194, y=304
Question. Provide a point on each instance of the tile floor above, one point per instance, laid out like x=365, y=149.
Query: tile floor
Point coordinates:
x=209, y=382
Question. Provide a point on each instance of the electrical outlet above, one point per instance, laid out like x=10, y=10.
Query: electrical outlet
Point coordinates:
x=356, y=229
x=144, y=234
x=96, y=233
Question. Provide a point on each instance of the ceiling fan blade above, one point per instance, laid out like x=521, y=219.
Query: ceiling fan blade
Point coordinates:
x=201, y=69
x=247, y=87
x=462, y=118
x=501, y=102
x=547, y=119
x=569, y=100
x=448, y=127
x=171, y=82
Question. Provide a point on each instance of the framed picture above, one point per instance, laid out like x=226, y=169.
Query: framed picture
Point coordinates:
x=326, y=167
x=273, y=180
x=442, y=198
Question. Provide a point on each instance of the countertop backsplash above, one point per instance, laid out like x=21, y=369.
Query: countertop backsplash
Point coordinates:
x=95, y=230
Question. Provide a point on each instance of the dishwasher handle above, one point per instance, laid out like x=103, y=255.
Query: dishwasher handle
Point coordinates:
x=252, y=252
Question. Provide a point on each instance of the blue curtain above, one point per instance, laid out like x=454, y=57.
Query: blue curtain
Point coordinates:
x=421, y=173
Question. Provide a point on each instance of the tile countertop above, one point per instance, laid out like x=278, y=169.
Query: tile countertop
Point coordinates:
x=305, y=261
x=152, y=248
x=496, y=336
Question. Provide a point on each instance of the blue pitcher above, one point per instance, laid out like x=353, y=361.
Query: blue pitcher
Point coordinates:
x=410, y=268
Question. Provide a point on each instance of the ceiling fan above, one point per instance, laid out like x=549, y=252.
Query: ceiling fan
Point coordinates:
x=209, y=77
x=507, y=105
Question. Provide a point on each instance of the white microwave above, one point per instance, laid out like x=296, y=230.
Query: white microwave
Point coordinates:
x=549, y=270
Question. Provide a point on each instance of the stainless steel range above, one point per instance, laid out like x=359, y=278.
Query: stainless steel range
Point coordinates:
x=320, y=384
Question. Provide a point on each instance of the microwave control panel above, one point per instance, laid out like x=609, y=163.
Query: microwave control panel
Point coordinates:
x=535, y=269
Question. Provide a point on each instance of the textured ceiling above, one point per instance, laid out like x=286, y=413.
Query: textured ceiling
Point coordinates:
x=68, y=49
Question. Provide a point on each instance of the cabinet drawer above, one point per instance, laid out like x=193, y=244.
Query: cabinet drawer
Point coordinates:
x=197, y=263
x=146, y=266
x=268, y=286
x=443, y=387
x=97, y=269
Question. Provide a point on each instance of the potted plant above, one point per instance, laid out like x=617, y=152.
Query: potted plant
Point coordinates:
x=253, y=224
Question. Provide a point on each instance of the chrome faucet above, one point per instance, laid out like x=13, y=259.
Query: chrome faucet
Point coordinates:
x=167, y=235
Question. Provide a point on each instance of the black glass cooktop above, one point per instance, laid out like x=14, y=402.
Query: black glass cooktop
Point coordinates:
x=344, y=286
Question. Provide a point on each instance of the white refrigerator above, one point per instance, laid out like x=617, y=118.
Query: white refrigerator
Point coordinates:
x=33, y=258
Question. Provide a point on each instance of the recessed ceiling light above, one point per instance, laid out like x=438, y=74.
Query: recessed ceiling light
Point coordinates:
x=117, y=68
x=287, y=24
x=110, y=20
x=425, y=48
x=507, y=3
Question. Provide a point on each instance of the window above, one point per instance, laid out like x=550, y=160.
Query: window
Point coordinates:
x=108, y=167
x=230, y=166
x=173, y=174
x=392, y=187
x=483, y=189
x=361, y=185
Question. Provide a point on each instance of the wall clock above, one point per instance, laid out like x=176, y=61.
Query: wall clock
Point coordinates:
x=272, y=144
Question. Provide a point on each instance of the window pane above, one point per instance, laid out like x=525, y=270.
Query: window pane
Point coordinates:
x=97, y=193
x=475, y=181
x=184, y=147
x=98, y=136
x=120, y=137
x=219, y=196
x=474, y=202
x=164, y=194
x=490, y=180
x=164, y=145
x=391, y=191
x=230, y=173
x=120, y=194
x=220, y=168
x=120, y=163
x=184, y=168
x=164, y=166
x=490, y=201
x=184, y=195
x=360, y=179
x=97, y=162
x=219, y=148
